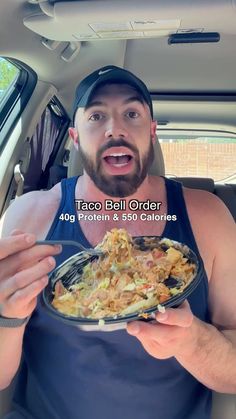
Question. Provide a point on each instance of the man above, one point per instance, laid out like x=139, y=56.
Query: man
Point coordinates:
x=160, y=370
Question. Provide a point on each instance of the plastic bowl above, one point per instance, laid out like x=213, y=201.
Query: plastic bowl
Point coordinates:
x=70, y=270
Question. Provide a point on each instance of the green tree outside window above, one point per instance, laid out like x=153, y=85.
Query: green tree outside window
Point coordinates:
x=8, y=74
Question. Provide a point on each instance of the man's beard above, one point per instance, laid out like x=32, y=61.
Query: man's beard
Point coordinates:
x=118, y=185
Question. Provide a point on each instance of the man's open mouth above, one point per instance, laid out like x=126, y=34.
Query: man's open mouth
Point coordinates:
x=118, y=159
x=118, y=156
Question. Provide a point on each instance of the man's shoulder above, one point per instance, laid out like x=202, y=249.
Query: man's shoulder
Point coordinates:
x=206, y=206
x=31, y=211
x=202, y=198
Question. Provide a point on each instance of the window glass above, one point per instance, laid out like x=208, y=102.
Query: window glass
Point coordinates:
x=199, y=154
x=8, y=75
x=17, y=82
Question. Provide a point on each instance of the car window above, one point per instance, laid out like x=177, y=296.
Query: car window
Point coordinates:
x=8, y=75
x=200, y=154
x=17, y=82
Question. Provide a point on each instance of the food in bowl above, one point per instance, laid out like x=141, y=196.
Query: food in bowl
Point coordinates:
x=133, y=275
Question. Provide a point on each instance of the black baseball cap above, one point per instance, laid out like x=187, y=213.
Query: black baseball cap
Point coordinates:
x=109, y=73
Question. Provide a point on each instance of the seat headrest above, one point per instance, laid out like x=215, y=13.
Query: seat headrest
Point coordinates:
x=197, y=183
x=75, y=166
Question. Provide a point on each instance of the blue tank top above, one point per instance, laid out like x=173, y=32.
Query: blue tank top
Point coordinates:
x=68, y=373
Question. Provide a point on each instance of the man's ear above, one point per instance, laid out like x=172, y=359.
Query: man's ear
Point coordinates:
x=73, y=133
x=153, y=130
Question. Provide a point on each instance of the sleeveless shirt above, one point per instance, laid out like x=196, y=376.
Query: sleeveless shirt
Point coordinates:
x=69, y=373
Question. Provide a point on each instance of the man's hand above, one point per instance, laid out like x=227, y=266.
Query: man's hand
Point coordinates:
x=23, y=273
x=172, y=333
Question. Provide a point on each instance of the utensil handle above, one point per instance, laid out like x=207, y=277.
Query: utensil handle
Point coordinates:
x=48, y=242
x=71, y=243
x=68, y=242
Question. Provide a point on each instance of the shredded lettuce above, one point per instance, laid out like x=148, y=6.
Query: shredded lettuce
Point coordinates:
x=79, y=286
x=129, y=287
x=95, y=305
x=140, y=305
x=104, y=283
x=116, y=266
x=86, y=268
x=174, y=291
x=140, y=281
x=150, y=294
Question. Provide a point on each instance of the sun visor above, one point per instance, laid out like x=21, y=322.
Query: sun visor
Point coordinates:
x=99, y=20
x=102, y=19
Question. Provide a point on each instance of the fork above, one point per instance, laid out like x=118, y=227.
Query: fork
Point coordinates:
x=90, y=251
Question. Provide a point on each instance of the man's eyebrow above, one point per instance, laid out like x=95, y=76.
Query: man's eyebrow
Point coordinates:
x=134, y=99
x=126, y=101
x=94, y=103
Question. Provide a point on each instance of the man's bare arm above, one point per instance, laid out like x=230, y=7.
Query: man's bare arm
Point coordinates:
x=207, y=351
x=216, y=346
x=23, y=275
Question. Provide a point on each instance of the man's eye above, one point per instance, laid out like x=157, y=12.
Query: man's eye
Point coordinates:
x=132, y=114
x=95, y=117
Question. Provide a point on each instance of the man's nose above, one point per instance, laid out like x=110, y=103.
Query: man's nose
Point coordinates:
x=115, y=129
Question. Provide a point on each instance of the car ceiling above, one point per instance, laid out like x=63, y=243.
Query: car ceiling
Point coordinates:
x=185, y=68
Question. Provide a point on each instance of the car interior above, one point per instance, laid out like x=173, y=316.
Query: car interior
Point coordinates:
x=185, y=52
